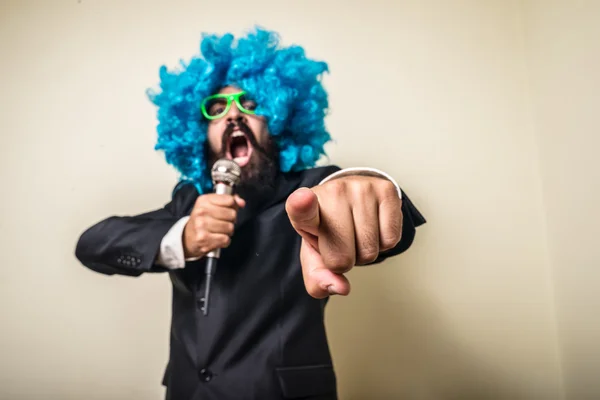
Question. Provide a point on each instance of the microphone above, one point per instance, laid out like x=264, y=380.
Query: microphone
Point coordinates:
x=225, y=176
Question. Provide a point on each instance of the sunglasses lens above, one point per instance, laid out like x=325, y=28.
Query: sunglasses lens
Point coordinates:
x=215, y=107
x=248, y=105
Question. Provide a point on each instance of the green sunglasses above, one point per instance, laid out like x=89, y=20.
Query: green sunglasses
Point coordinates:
x=218, y=105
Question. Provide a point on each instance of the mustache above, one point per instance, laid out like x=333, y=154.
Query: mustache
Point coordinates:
x=249, y=135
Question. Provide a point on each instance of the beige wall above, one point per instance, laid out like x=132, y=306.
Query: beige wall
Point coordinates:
x=564, y=54
x=468, y=313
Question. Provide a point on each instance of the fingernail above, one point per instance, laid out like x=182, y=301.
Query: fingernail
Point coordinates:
x=331, y=289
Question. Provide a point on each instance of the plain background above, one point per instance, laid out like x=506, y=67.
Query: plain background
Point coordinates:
x=486, y=112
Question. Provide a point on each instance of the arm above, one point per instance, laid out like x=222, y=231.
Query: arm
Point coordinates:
x=130, y=245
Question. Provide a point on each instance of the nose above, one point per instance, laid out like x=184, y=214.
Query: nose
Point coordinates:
x=234, y=113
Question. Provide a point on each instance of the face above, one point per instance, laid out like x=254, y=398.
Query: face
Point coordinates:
x=242, y=137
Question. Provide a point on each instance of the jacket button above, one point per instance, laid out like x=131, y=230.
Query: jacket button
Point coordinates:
x=205, y=375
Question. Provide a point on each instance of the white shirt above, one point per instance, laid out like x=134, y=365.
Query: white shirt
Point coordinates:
x=171, y=253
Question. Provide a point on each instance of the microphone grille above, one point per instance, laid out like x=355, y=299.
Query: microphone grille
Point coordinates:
x=226, y=171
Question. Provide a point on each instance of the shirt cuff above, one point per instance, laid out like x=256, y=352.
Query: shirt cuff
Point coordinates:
x=171, y=253
x=364, y=171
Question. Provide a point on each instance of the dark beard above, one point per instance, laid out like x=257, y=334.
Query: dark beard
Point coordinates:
x=258, y=176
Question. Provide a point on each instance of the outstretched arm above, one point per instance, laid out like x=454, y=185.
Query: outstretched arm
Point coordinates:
x=130, y=245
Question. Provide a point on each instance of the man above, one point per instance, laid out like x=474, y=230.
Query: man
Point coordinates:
x=287, y=236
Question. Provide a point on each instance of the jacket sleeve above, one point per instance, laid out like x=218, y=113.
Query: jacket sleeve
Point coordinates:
x=130, y=245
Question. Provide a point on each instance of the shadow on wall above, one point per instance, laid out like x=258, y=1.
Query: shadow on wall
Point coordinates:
x=395, y=343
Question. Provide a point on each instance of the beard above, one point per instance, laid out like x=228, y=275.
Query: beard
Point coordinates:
x=258, y=175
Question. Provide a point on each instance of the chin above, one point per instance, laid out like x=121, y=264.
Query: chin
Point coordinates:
x=259, y=173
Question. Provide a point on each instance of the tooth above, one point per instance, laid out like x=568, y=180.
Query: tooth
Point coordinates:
x=238, y=133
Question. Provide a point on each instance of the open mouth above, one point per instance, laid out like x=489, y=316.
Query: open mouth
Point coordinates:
x=239, y=148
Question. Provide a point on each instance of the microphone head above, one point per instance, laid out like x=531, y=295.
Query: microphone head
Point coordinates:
x=226, y=171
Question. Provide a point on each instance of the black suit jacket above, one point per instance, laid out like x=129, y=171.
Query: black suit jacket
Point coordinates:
x=264, y=337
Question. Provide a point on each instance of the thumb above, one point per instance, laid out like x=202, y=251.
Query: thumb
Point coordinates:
x=302, y=208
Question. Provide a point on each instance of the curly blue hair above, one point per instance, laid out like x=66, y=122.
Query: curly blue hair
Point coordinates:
x=285, y=84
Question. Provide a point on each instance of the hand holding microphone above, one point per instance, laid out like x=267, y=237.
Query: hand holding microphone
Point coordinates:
x=211, y=224
x=213, y=217
x=212, y=220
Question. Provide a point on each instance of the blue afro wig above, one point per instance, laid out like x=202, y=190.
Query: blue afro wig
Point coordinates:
x=285, y=84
